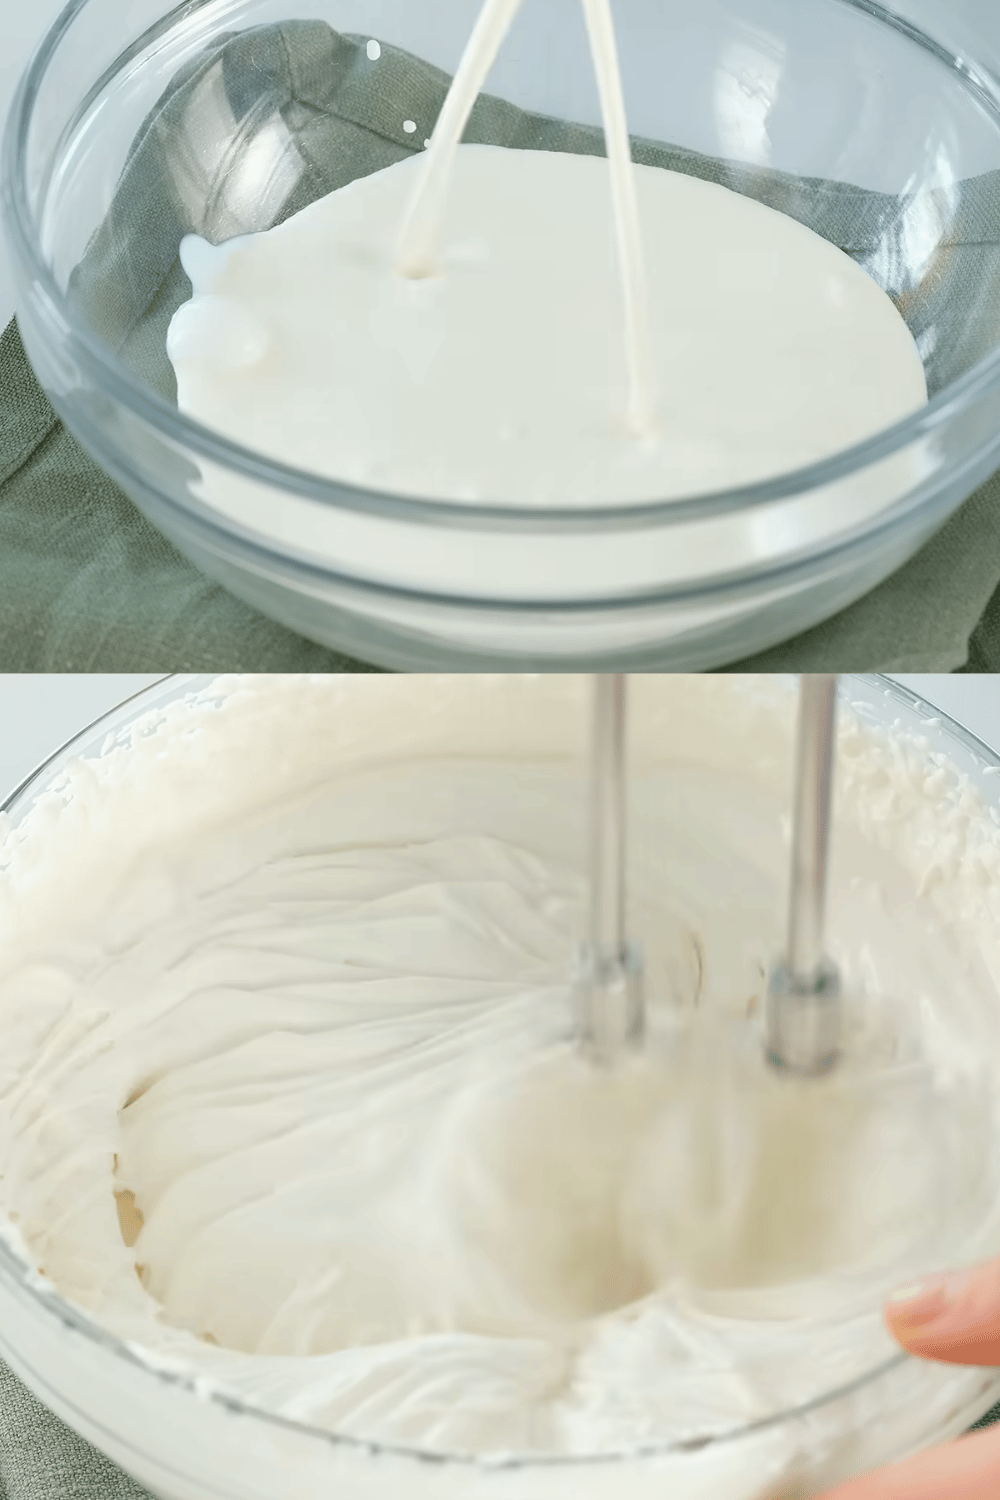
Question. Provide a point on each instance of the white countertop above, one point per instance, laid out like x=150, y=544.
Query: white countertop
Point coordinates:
x=41, y=711
x=38, y=713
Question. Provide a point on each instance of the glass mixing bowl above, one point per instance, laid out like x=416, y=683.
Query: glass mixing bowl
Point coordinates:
x=186, y=1442
x=901, y=101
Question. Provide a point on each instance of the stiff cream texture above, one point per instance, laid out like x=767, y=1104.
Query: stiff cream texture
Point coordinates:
x=290, y=1099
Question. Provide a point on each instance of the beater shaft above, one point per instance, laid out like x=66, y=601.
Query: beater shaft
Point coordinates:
x=803, y=1001
x=610, y=983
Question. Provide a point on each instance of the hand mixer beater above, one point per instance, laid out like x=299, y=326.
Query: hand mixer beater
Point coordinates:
x=803, y=1002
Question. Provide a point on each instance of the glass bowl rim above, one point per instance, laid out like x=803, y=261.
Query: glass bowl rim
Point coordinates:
x=17, y=1275
x=114, y=377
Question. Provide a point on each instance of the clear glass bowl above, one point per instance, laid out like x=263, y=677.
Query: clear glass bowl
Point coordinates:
x=902, y=101
x=187, y=1443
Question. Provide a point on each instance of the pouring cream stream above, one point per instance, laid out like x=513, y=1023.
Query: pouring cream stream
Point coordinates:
x=473, y=325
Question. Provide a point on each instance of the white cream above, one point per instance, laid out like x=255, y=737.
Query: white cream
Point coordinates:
x=503, y=379
x=418, y=251
x=490, y=327
x=305, y=996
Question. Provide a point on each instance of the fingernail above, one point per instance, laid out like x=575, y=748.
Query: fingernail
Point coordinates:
x=917, y=1289
x=918, y=1304
x=922, y=1301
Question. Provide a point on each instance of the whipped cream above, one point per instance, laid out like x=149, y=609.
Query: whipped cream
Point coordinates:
x=289, y=1097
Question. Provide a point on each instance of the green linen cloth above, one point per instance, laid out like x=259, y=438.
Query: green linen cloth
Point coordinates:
x=42, y=1459
x=87, y=584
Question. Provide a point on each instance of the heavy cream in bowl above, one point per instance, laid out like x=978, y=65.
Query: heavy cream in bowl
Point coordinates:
x=305, y=1186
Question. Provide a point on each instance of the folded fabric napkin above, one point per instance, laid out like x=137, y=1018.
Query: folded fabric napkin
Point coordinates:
x=87, y=584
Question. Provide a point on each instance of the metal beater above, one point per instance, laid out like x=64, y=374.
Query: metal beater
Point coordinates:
x=803, y=1012
x=612, y=1010
x=803, y=1009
